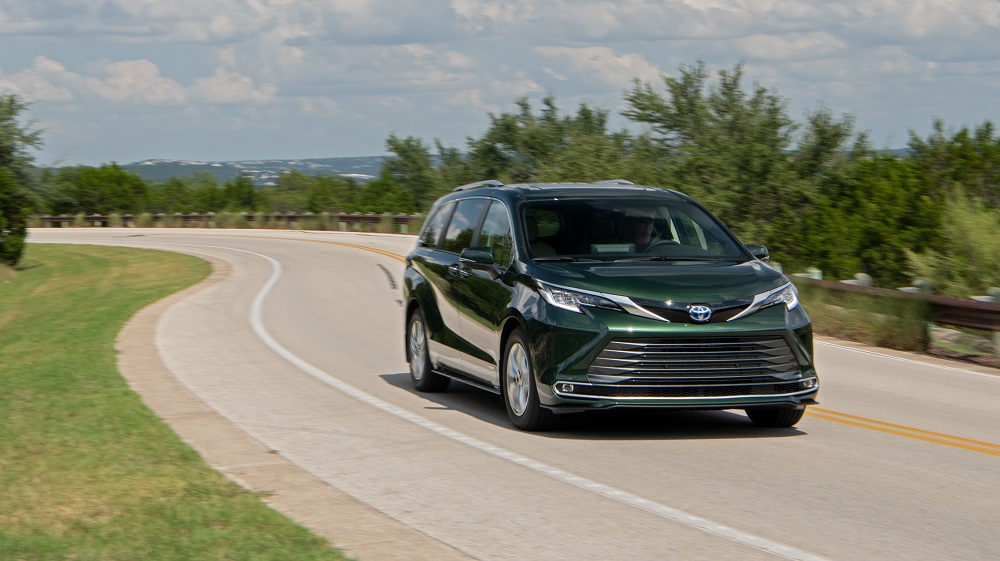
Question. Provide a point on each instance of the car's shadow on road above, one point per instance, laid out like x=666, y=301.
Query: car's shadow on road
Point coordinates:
x=612, y=424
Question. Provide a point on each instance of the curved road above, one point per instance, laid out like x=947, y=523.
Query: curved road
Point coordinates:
x=297, y=343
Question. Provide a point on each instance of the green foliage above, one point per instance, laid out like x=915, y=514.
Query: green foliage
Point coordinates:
x=727, y=148
x=13, y=220
x=524, y=146
x=297, y=192
x=895, y=323
x=385, y=195
x=970, y=159
x=966, y=261
x=110, y=189
x=15, y=141
x=241, y=195
x=413, y=168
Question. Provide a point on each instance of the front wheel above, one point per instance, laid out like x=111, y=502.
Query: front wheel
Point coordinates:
x=518, y=387
x=424, y=379
x=775, y=417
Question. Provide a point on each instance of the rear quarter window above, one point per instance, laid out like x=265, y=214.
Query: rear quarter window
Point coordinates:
x=431, y=235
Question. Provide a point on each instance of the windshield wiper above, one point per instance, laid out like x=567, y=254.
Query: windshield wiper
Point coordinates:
x=565, y=259
x=669, y=258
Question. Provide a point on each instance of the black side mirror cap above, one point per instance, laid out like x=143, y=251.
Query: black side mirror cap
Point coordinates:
x=758, y=251
x=477, y=255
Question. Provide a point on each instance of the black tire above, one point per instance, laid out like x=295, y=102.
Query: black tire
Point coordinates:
x=775, y=417
x=424, y=379
x=517, y=385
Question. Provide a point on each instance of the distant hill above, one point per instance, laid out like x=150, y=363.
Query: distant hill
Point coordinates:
x=263, y=172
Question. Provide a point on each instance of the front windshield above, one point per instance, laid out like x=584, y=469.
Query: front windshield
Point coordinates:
x=652, y=228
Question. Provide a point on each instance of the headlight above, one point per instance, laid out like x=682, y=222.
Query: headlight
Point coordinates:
x=573, y=300
x=785, y=294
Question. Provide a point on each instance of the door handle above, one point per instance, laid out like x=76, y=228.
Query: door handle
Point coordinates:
x=465, y=273
x=453, y=270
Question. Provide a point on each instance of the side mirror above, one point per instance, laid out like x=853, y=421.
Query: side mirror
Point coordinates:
x=477, y=257
x=758, y=251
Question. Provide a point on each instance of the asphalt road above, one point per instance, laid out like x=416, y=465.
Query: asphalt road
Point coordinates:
x=298, y=343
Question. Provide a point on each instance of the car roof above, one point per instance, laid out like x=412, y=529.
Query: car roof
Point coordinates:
x=548, y=191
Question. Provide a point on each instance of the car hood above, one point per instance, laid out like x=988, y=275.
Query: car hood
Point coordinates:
x=687, y=281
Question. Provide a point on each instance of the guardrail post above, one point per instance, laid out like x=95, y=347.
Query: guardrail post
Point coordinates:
x=811, y=273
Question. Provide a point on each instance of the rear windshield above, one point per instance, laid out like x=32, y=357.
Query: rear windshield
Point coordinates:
x=627, y=229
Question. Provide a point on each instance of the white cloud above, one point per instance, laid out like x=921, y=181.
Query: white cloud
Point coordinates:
x=226, y=86
x=602, y=63
x=138, y=81
x=35, y=83
x=796, y=46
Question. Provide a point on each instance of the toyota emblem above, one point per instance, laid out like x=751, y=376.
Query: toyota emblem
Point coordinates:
x=700, y=314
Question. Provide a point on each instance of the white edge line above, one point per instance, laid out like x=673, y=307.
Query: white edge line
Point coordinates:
x=625, y=497
x=911, y=361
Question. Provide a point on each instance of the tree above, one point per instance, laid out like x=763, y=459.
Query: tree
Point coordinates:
x=110, y=189
x=725, y=146
x=241, y=195
x=525, y=146
x=970, y=159
x=15, y=162
x=966, y=262
x=413, y=168
x=385, y=195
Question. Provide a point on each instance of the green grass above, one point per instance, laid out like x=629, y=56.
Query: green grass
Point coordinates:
x=87, y=472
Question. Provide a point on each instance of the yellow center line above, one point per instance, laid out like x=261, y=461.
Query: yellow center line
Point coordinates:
x=904, y=431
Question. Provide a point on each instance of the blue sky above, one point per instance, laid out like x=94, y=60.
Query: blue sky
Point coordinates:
x=127, y=80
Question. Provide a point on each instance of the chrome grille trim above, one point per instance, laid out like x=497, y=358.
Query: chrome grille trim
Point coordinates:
x=696, y=358
x=695, y=368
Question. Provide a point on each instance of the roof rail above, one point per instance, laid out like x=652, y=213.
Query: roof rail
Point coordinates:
x=613, y=182
x=476, y=185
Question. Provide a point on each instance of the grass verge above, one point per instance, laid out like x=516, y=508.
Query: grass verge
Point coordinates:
x=87, y=472
x=895, y=323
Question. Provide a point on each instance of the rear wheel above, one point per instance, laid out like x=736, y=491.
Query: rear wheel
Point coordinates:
x=518, y=387
x=775, y=417
x=424, y=379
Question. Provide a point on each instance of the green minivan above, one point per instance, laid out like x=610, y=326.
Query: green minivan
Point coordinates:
x=568, y=297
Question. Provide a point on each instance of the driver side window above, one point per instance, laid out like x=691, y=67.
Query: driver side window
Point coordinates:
x=496, y=234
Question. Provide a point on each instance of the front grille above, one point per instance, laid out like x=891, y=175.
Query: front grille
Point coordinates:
x=694, y=368
x=676, y=359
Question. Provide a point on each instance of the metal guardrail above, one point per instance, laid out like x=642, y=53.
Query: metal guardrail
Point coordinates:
x=411, y=222
x=958, y=312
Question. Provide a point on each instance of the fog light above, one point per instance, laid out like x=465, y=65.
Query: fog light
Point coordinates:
x=566, y=388
x=810, y=383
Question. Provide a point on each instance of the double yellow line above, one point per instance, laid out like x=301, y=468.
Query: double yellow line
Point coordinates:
x=395, y=256
x=905, y=431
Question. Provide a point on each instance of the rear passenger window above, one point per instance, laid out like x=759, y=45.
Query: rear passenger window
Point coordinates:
x=435, y=225
x=463, y=224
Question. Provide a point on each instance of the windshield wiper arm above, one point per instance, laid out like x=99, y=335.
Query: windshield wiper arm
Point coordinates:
x=670, y=258
x=565, y=258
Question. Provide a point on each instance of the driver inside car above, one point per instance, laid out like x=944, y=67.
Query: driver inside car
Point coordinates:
x=640, y=223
